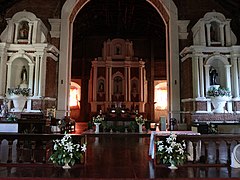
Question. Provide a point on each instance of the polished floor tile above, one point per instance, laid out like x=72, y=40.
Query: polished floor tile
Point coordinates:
x=113, y=156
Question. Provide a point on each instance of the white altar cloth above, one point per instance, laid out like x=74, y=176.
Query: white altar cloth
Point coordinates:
x=153, y=133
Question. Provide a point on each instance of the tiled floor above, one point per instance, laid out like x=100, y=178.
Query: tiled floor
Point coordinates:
x=117, y=156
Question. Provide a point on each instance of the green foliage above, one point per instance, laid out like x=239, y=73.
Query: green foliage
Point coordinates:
x=140, y=119
x=221, y=91
x=65, y=151
x=98, y=119
x=19, y=91
x=12, y=118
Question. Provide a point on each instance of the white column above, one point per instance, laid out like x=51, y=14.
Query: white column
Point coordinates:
x=207, y=82
x=127, y=89
x=42, y=72
x=40, y=76
x=3, y=60
x=141, y=82
x=9, y=69
x=107, y=83
x=238, y=67
x=30, y=83
x=201, y=76
x=94, y=82
x=222, y=34
x=203, y=34
x=36, y=88
x=228, y=85
x=228, y=77
x=34, y=32
x=110, y=84
x=228, y=34
x=208, y=34
x=129, y=83
x=235, y=77
x=195, y=76
x=16, y=32
x=30, y=33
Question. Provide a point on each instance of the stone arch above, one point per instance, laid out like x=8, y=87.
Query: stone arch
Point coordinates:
x=166, y=9
x=213, y=58
x=21, y=55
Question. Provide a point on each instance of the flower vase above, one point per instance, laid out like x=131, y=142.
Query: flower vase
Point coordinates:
x=97, y=127
x=19, y=102
x=140, y=128
x=66, y=166
x=219, y=103
x=172, y=166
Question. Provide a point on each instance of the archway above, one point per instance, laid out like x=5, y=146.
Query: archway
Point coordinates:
x=166, y=9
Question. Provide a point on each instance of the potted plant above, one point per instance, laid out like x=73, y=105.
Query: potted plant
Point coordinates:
x=19, y=97
x=219, y=95
x=172, y=152
x=66, y=153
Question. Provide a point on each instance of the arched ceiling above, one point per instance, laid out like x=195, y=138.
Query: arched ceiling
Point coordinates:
x=127, y=18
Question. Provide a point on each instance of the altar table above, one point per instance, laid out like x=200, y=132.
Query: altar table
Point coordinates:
x=166, y=133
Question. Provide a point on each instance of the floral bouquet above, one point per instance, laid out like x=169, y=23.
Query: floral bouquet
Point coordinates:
x=172, y=152
x=98, y=119
x=219, y=91
x=19, y=91
x=140, y=119
x=66, y=152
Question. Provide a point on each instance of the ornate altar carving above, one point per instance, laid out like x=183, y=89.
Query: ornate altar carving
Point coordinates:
x=25, y=55
x=117, y=77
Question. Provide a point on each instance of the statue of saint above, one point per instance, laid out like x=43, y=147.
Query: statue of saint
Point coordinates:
x=24, y=82
x=213, y=76
x=4, y=109
x=23, y=31
x=24, y=75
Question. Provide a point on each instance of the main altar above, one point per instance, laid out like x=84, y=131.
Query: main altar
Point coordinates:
x=118, y=79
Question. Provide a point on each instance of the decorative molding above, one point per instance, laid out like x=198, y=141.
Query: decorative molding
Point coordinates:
x=55, y=27
x=182, y=29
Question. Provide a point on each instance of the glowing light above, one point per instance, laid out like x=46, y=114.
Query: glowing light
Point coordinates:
x=73, y=97
x=160, y=97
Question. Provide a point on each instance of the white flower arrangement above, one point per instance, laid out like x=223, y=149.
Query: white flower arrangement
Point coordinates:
x=65, y=151
x=98, y=119
x=171, y=151
x=140, y=119
x=216, y=91
x=19, y=91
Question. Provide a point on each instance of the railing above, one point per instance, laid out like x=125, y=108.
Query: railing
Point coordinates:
x=207, y=149
x=31, y=148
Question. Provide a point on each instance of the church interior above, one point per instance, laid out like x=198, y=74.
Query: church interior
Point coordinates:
x=125, y=71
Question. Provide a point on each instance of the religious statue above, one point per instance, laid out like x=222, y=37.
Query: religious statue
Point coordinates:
x=24, y=75
x=4, y=108
x=24, y=83
x=213, y=76
x=23, y=31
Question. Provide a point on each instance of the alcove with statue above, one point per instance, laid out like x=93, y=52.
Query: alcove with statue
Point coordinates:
x=214, y=74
